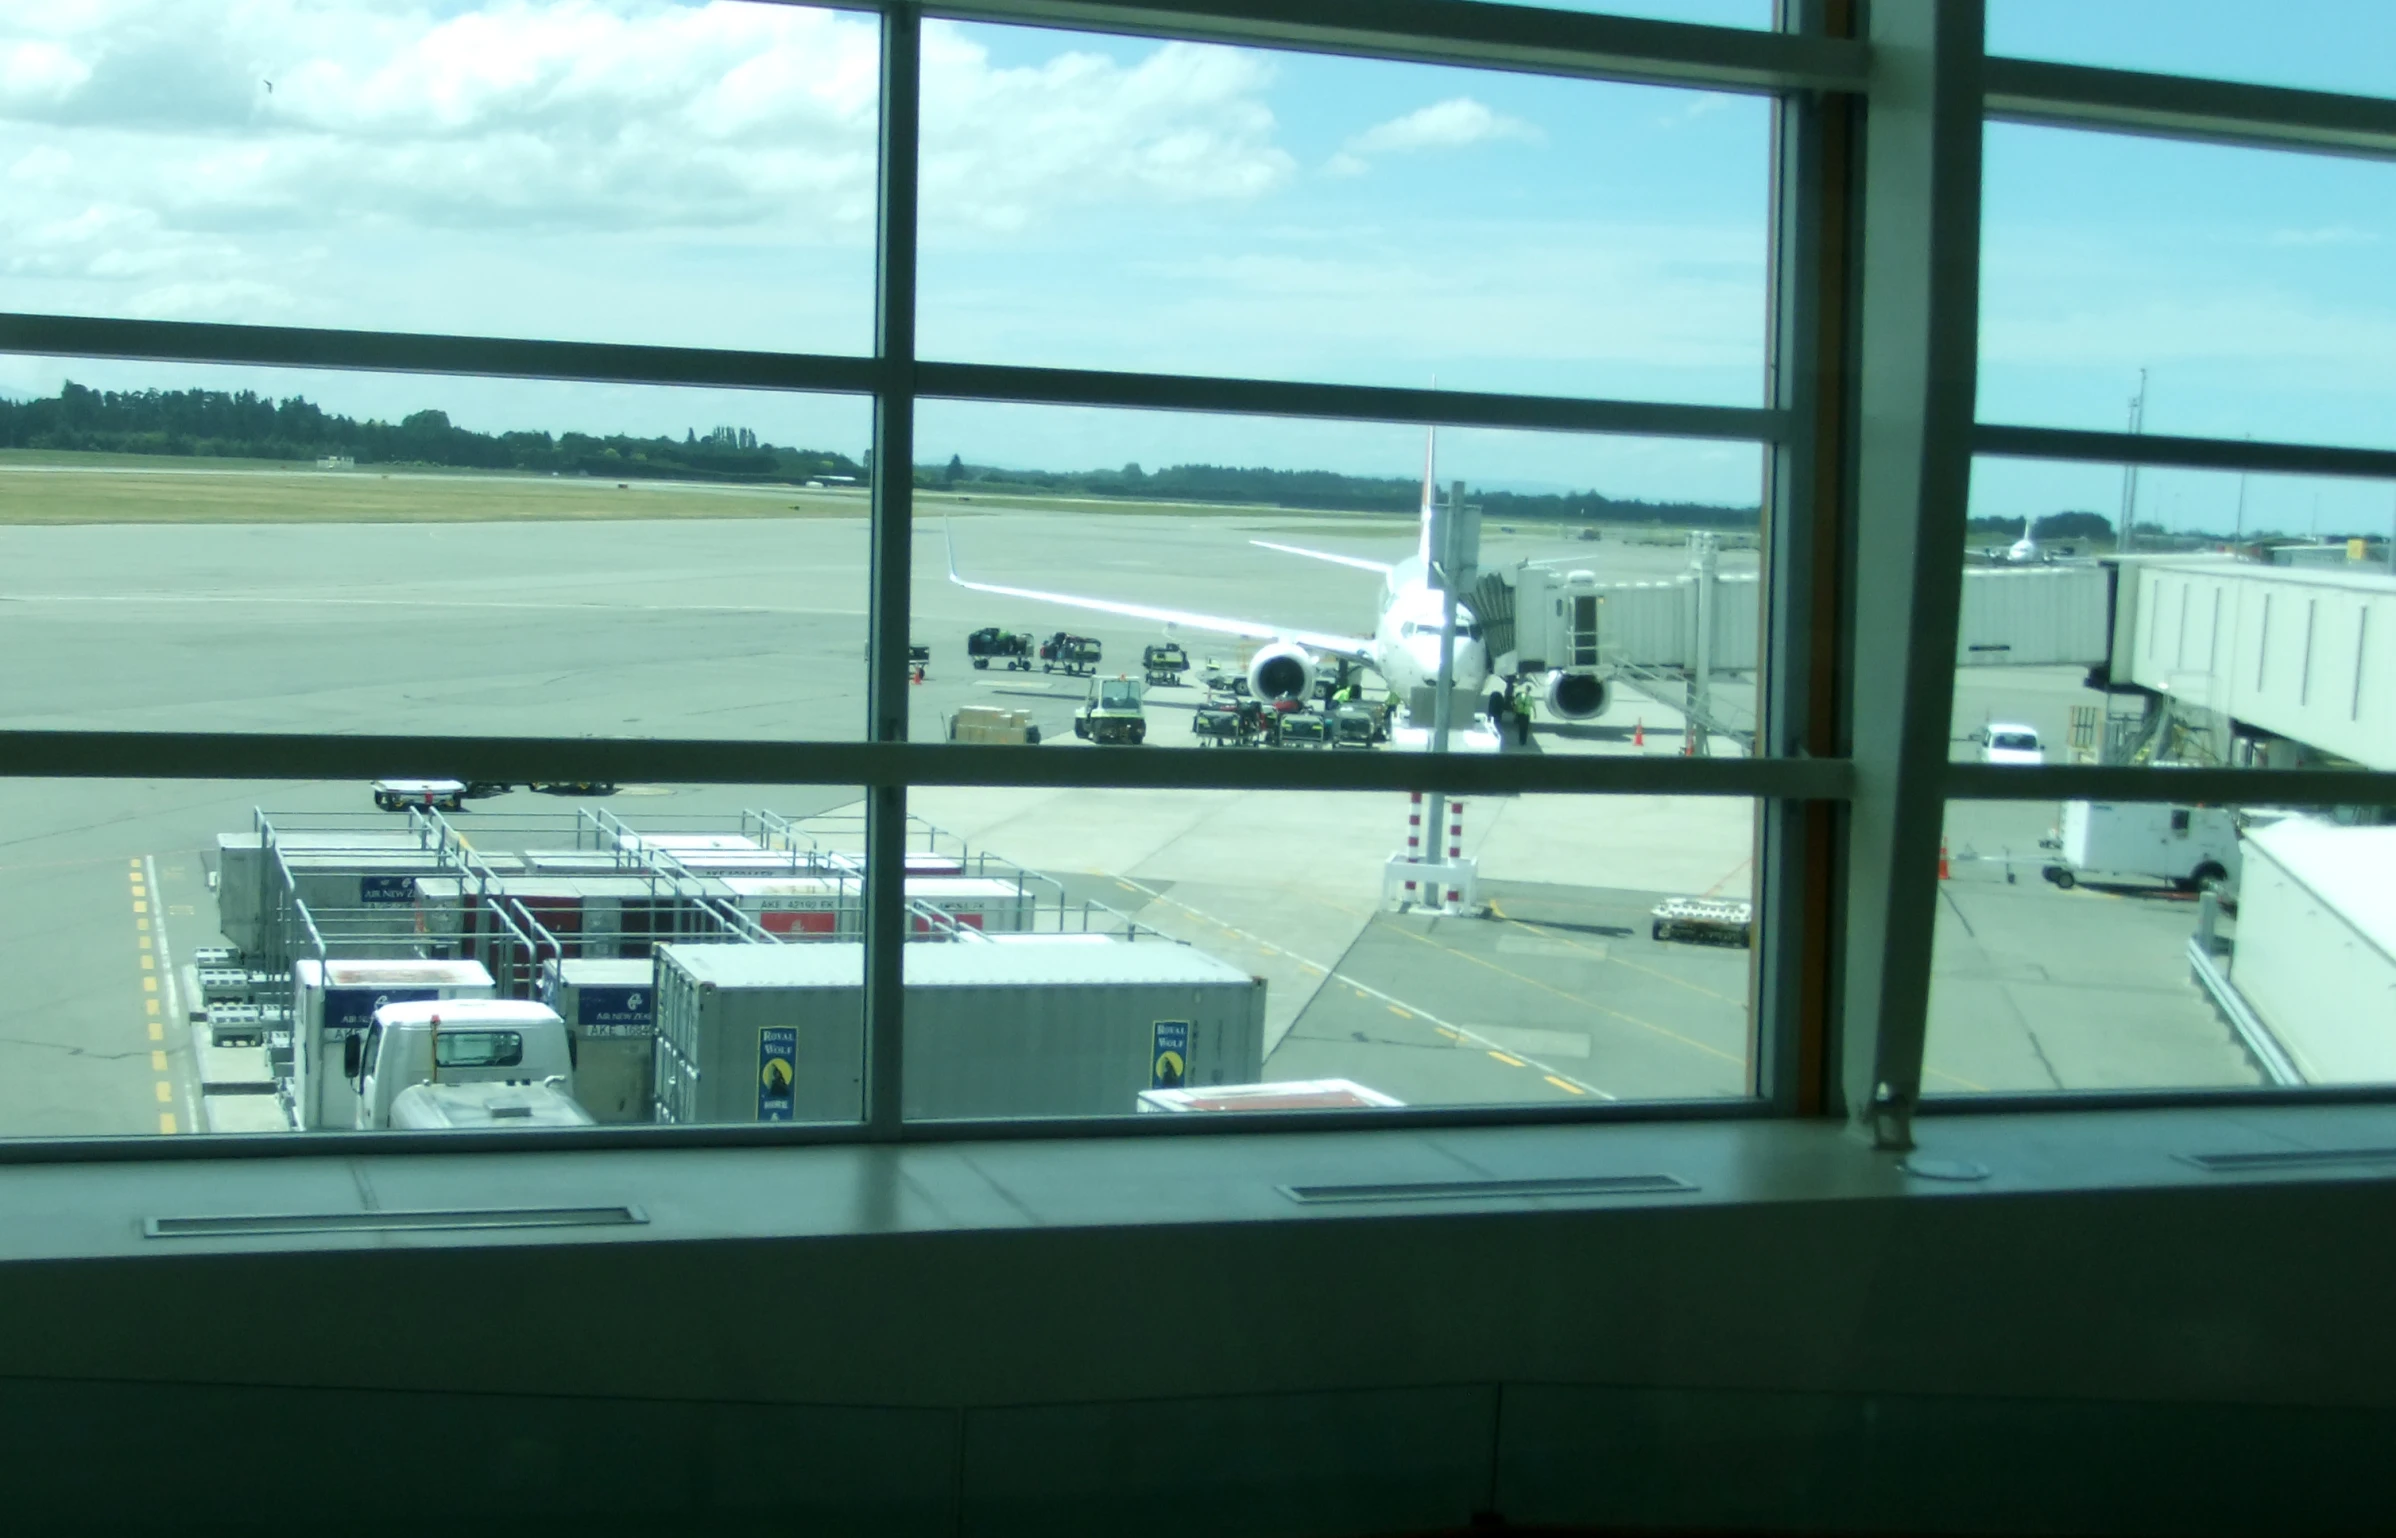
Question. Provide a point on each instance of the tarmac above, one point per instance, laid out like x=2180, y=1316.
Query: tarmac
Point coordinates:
x=751, y=628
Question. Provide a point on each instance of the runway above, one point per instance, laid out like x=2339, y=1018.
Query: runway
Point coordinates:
x=754, y=628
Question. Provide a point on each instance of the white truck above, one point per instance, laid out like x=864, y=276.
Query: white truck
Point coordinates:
x=489, y=1107
x=2188, y=846
x=454, y=1042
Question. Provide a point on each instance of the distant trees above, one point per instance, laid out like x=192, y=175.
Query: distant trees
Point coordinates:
x=2048, y=527
x=244, y=425
x=1326, y=491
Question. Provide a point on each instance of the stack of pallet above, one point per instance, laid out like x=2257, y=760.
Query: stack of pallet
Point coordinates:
x=989, y=723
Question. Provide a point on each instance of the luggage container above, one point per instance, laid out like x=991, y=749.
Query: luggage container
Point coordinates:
x=799, y=905
x=597, y=915
x=611, y=1009
x=978, y=902
x=244, y=907
x=775, y=1032
x=335, y=1000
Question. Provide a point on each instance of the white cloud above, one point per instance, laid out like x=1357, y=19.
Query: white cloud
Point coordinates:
x=2326, y=235
x=204, y=137
x=1456, y=123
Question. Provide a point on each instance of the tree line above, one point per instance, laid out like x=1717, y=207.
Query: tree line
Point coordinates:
x=1320, y=490
x=241, y=424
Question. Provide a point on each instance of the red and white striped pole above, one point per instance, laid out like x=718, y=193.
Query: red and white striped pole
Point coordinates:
x=1414, y=838
x=1455, y=899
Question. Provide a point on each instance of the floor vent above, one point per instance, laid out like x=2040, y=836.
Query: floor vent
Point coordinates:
x=306, y=1223
x=1475, y=1190
x=2292, y=1159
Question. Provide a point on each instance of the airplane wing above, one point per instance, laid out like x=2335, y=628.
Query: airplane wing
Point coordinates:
x=1357, y=561
x=1253, y=630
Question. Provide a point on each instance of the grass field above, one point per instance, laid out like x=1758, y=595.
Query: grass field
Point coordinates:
x=51, y=488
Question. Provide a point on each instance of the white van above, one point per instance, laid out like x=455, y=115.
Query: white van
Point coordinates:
x=2010, y=742
x=455, y=1041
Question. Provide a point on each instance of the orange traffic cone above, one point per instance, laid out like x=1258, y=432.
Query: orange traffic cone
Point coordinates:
x=1942, y=860
x=1639, y=734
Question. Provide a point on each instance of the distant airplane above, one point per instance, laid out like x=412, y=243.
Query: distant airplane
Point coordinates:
x=1403, y=647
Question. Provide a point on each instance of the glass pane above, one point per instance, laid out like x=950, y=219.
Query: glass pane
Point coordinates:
x=2225, y=291
x=700, y=175
x=2253, y=623
x=2322, y=45
x=2088, y=946
x=1264, y=580
x=1115, y=203
x=207, y=952
x=230, y=549
x=1711, y=13
x=1184, y=944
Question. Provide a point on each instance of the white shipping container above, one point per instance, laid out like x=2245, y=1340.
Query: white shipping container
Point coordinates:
x=334, y=1000
x=610, y=1007
x=606, y=913
x=2316, y=947
x=821, y=906
x=775, y=1033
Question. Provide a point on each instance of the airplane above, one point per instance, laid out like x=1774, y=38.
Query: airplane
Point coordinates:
x=1403, y=647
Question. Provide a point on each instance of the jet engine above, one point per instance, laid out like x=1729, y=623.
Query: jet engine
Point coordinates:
x=1281, y=671
x=1575, y=696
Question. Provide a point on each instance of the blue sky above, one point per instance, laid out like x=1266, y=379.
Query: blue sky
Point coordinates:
x=643, y=170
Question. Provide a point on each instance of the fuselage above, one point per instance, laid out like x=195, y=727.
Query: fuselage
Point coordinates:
x=1405, y=646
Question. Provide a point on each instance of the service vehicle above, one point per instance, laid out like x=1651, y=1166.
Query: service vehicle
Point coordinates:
x=499, y=1107
x=2189, y=846
x=1301, y=729
x=1706, y=920
x=1010, y=649
x=1112, y=713
x=1359, y=723
x=1220, y=723
x=454, y=1041
x=2010, y=742
x=399, y=795
x=1074, y=655
x=1164, y=665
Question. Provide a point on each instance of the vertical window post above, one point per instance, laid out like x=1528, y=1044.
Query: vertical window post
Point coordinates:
x=1919, y=318
x=891, y=564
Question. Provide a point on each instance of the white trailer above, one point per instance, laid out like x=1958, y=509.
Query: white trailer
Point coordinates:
x=2316, y=948
x=454, y=1041
x=333, y=1002
x=2188, y=846
x=749, y=1033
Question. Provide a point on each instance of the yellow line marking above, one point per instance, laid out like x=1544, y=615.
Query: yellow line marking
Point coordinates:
x=145, y=941
x=148, y=961
x=166, y=1122
x=157, y=1061
x=166, y=1092
x=150, y=984
x=136, y=862
x=157, y=1031
x=1401, y=1011
x=142, y=924
x=141, y=907
x=1450, y=1035
x=153, y=1006
x=1569, y=1089
x=1547, y=933
x=1509, y=1060
x=1646, y=1025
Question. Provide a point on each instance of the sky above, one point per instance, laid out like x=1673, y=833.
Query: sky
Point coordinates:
x=702, y=174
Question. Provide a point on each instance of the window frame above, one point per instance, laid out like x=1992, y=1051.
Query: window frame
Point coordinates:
x=1873, y=300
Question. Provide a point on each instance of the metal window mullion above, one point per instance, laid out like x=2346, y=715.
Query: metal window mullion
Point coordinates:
x=1804, y=477
x=1523, y=39
x=1919, y=315
x=711, y=761
x=2088, y=446
x=2234, y=112
x=891, y=565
